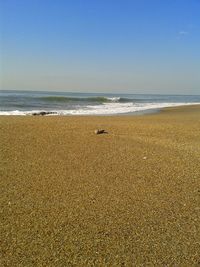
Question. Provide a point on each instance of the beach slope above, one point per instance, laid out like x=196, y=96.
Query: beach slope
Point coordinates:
x=130, y=197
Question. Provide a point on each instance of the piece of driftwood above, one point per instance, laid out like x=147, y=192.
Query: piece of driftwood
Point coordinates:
x=100, y=131
x=43, y=113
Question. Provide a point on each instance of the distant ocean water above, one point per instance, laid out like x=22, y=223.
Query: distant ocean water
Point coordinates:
x=63, y=103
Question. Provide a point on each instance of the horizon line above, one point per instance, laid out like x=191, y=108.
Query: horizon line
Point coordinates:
x=113, y=93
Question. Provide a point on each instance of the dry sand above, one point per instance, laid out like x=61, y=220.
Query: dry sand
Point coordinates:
x=127, y=198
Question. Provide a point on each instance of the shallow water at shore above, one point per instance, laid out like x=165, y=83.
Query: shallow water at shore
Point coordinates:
x=28, y=103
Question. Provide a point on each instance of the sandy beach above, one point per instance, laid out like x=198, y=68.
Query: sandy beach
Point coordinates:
x=130, y=197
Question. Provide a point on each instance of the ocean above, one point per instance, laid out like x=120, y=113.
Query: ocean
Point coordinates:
x=63, y=103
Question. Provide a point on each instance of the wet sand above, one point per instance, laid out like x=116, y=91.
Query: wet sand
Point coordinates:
x=127, y=198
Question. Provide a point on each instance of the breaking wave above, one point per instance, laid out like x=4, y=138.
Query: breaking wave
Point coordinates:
x=99, y=99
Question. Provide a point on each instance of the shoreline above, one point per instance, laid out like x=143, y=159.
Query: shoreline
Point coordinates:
x=129, y=197
x=135, y=113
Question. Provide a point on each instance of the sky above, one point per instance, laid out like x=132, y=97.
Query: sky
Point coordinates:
x=113, y=46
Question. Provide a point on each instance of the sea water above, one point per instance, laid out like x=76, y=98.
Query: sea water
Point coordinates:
x=66, y=103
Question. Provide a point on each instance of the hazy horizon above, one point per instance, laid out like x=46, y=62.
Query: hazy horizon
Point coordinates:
x=90, y=92
x=133, y=47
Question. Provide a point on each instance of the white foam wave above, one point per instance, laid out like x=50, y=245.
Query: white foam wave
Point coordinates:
x=14, y=113
x=120, y=108
x=114, y=99
x=104, y=109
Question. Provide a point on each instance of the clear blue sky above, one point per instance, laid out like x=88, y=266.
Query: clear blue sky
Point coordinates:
x=133, y=46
